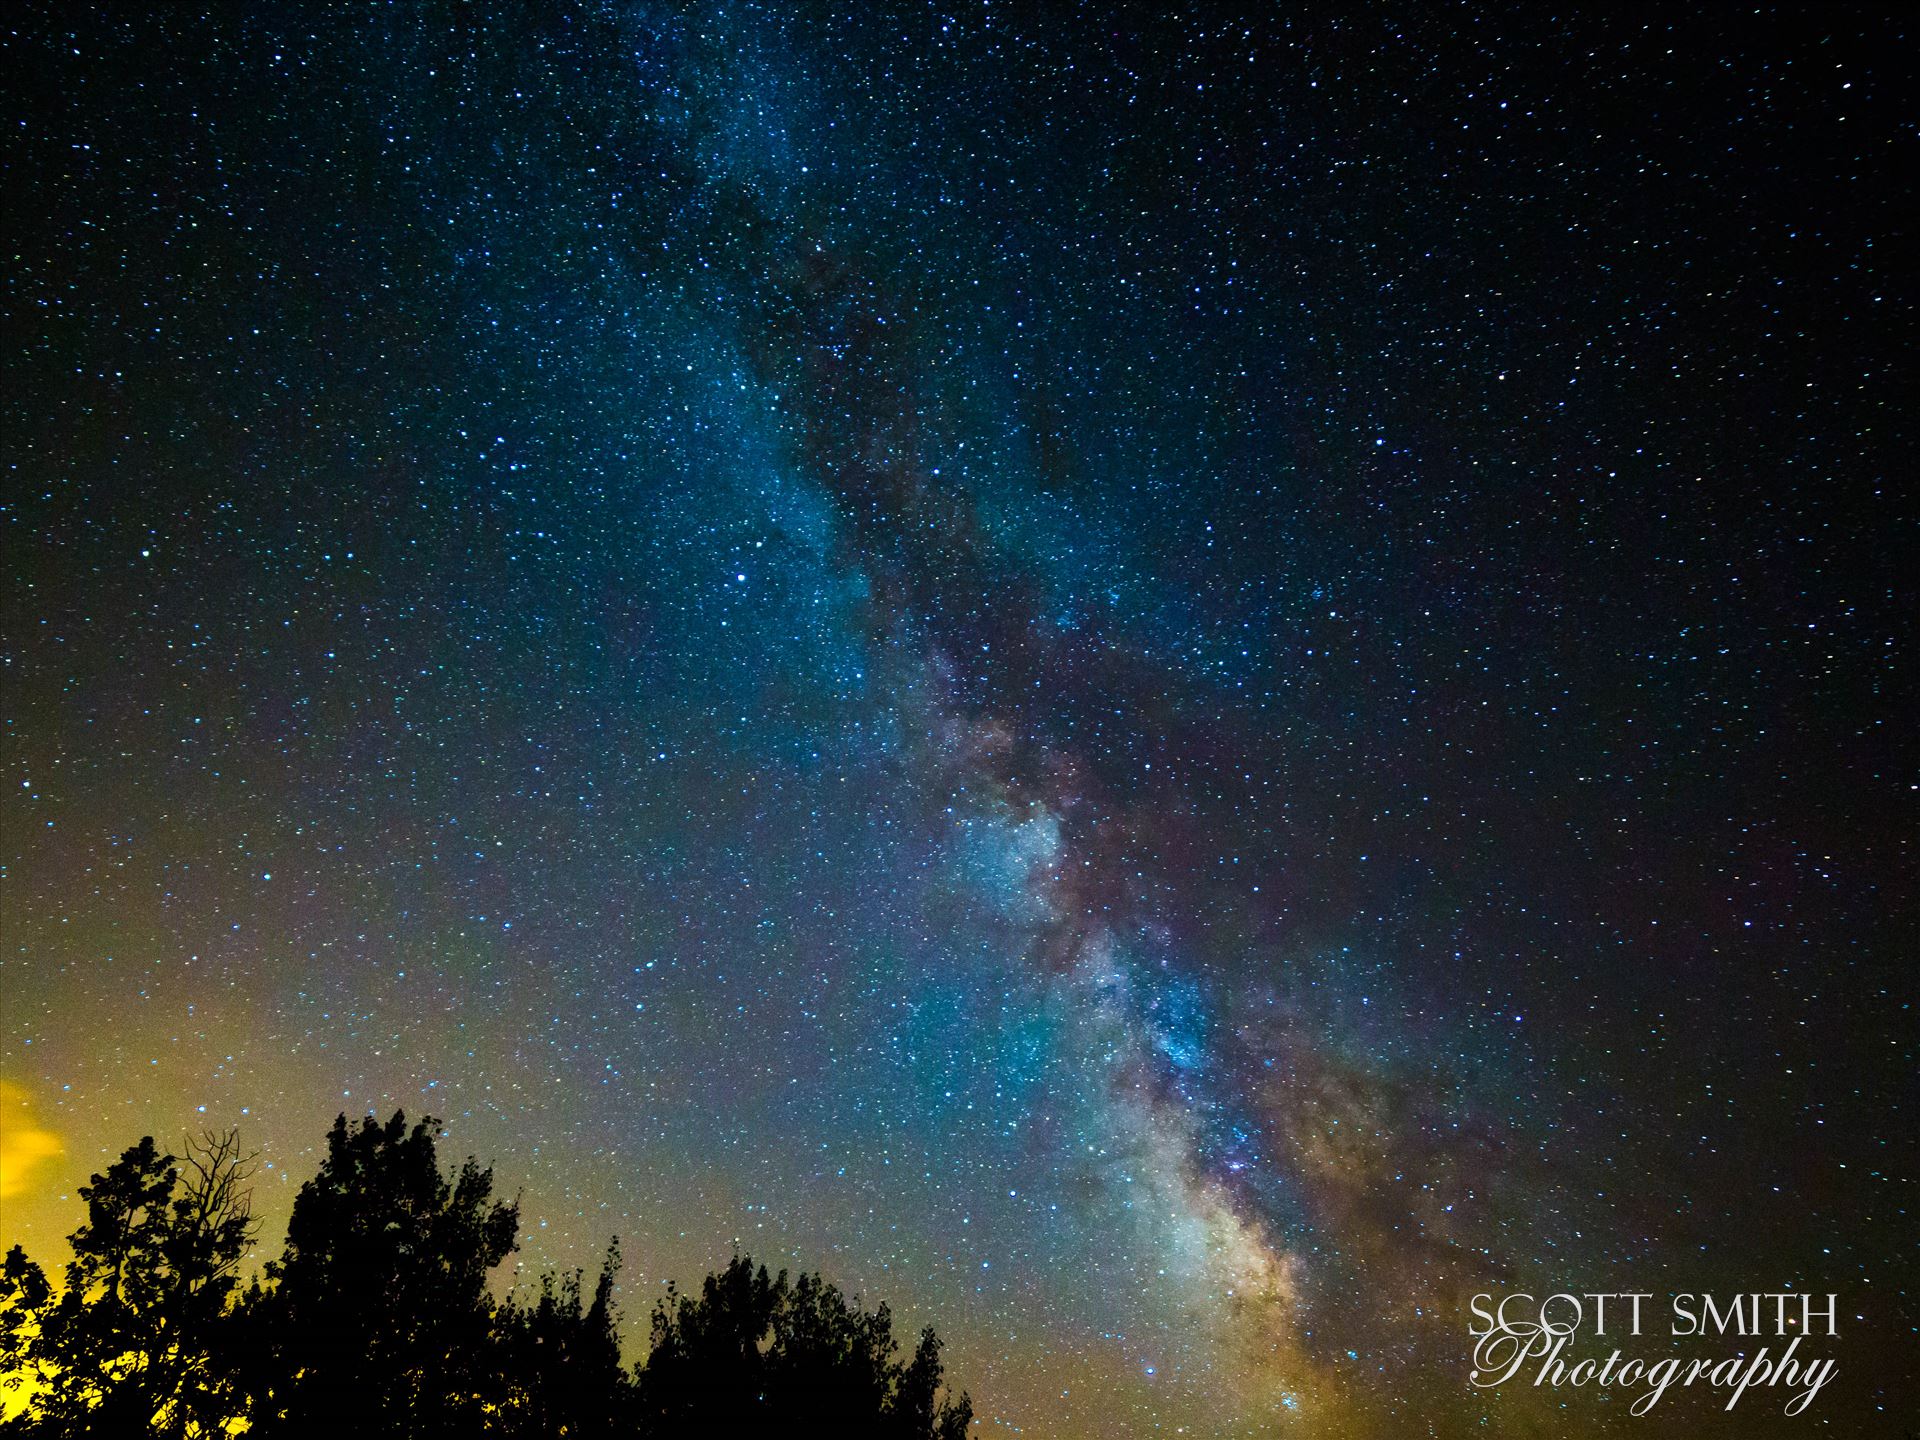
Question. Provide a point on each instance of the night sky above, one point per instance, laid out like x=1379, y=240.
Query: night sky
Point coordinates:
x=1170, y=688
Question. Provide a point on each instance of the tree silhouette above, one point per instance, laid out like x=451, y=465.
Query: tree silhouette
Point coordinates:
x=560, y=1360
x=759, y=1355
x=916, y=1410
x=378, y=1320
x=129, y=1346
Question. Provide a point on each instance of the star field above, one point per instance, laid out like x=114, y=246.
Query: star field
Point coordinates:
x=1169, y=688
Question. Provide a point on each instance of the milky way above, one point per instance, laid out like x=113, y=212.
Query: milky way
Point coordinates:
x=1172, y=690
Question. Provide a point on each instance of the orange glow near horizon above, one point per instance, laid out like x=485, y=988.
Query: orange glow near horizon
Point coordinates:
x=26, y=1145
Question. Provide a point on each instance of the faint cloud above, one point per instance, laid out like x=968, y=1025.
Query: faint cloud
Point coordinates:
x=25, y=1144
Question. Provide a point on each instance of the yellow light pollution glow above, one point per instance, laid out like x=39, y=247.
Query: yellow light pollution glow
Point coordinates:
x=26, y=1145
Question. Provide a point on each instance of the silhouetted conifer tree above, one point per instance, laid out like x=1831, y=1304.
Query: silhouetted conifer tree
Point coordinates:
x=754, y=1354
x=127, y=1346
x=559, y=1359
x=378, y=1321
